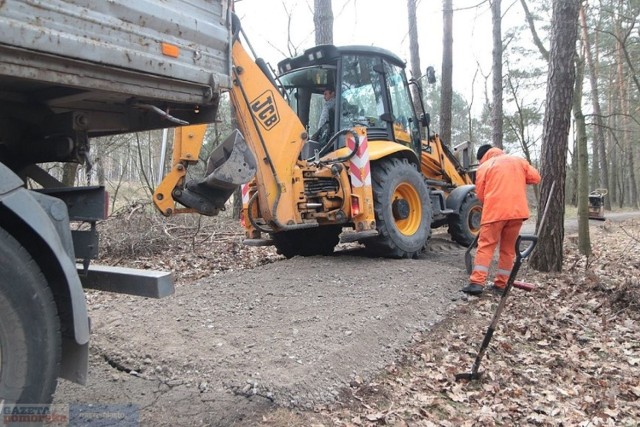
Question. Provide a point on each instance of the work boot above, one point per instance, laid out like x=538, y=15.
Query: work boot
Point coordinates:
x=473, y=289
x=498, y=290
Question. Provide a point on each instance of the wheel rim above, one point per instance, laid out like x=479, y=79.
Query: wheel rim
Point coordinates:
x=475, y=214
x=408, y=224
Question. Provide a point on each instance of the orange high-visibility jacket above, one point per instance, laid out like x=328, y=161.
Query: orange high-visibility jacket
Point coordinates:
x=501, y=186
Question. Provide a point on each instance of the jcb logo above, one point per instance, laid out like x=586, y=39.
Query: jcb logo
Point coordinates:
x=264, y=108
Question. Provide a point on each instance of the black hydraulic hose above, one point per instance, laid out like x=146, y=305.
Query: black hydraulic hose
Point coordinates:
x=253, y=222
x=332, y=140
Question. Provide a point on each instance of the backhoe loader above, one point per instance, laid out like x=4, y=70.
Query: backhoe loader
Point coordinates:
x=365, y=175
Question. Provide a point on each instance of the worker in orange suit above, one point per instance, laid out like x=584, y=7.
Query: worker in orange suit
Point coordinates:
x=501, y=186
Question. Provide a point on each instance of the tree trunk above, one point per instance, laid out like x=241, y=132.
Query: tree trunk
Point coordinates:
x=631, y=193
x=99, y=161
x=446, y=88
x=323, y=21
x=69, y=171
x=497, y=119
x=601, y=175
x=571, y=186
x=584, y=240
x=414, y=54
x=611, y=144
x=631, y=147
x=561, y=77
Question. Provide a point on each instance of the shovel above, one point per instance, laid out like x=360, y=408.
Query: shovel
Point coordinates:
x=520, y=256
x=468, y=259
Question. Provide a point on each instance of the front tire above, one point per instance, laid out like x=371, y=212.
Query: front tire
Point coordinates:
x=402, y=208
x=465, y=226
x=30, y=341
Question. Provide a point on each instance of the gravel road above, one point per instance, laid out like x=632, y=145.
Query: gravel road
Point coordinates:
x=293, y=333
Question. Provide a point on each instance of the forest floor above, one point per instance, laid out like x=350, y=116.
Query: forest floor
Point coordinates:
x=250, y=338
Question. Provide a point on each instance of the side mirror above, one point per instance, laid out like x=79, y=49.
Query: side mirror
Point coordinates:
x=431, y=74
x=425, y=120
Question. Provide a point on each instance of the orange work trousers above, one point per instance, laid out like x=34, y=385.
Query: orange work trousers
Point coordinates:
x=505, y=233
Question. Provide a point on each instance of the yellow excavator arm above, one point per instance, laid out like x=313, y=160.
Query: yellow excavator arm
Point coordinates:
x=274, y=133
x=186, y=150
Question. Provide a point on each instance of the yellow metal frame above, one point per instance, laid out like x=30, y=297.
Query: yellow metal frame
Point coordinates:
x=187, y=143
x=435, y=164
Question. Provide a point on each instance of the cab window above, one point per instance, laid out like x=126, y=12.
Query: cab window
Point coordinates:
x=404, y=124
x=362, y=101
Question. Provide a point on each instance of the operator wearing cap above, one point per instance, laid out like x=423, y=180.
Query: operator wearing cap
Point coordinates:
x=501, y=182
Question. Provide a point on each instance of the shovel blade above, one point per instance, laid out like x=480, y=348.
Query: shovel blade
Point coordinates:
x=468, y=258
x=469, y=376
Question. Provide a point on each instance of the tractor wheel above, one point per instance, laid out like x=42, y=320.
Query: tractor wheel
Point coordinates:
x=465, y=226
x=403, y=210
x=30, y=342
x=308, y=241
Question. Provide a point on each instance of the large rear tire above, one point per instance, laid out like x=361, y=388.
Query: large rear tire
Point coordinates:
x=465, y=226
x=30, y=341
x=307, y=241
x=403, y=210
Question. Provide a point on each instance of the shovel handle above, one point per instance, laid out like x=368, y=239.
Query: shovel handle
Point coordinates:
x=533, y=239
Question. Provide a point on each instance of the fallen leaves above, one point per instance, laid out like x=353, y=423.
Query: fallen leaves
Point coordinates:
x=565, y=354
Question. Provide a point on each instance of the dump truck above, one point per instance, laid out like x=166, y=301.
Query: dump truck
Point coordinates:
x=72, y=70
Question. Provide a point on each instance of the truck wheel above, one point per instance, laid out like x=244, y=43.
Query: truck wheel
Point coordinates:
x=30, y=341
x=308, y=241
x=403, y=210
x=464, y=226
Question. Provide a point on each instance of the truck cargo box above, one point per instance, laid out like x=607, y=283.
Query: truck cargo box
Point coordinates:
x=115, y=62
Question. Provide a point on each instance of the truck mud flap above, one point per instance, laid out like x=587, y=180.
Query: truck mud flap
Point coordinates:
x=230, y=165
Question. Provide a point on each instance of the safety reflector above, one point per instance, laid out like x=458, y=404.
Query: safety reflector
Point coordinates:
x=355, y=205
x=170, y=50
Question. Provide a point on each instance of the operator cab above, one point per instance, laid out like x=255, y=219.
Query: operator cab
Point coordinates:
x=371, y=90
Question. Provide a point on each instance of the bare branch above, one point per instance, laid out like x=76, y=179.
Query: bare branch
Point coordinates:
x=536, y=39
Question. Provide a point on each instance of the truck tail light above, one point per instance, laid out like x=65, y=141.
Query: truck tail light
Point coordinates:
x=355, y=206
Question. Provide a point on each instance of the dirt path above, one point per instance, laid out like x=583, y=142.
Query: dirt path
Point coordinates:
x=293, y=333
x=225, y=349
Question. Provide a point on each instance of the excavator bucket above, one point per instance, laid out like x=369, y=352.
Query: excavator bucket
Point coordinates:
x=230, y=165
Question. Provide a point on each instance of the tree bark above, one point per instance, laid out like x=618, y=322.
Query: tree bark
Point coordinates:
x=446, y=88
x=599, y=150
x=497, y=119
x=69, y=171
x=414, y=53
x=631, y=193
x=584, y=240
x=571, y=185
x=560, y=80
x=323, y=21
x=611, y=143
